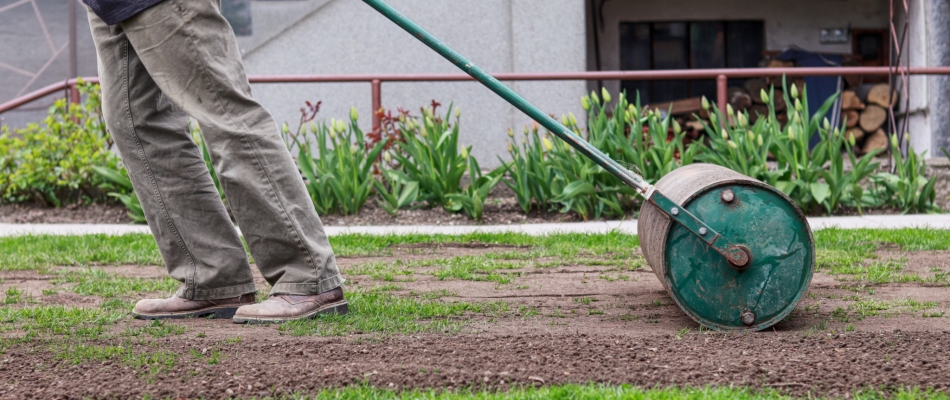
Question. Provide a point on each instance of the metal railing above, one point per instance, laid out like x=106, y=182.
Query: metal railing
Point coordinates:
x=376, y=80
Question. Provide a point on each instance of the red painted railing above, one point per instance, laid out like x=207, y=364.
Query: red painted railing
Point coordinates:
x=376, y=80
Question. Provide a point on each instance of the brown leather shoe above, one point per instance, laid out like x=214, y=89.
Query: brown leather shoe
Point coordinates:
x=177, y=307
x=287, y=307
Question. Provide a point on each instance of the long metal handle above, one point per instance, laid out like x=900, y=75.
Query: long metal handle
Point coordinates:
x=734, y=253
x=625, y=175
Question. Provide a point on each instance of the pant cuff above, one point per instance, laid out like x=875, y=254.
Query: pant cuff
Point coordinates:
x=217, y=293
x=307, y=289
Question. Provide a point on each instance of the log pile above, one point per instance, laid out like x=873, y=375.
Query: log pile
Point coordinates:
x=864, y=110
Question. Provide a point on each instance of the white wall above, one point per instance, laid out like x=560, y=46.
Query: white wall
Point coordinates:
x=787, y=22
x=348, y=37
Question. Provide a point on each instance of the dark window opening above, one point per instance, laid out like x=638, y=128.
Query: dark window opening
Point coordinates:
x=687, y=45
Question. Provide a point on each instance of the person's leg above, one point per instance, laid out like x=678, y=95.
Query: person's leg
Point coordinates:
x=195, y=236
x=191, y=52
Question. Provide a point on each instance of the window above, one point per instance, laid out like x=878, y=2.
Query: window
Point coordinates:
x=685, y=45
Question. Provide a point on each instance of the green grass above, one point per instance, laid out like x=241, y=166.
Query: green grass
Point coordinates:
x=32, y=252
x=157, y=328
x=601, y=391
x=78, y=353
x=59, y=320
x=97, y=282
x=380, y=311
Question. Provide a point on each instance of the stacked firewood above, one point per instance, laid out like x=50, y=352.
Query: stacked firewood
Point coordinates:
x=864, y=111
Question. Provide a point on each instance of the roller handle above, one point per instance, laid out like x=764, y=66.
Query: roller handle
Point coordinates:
x=734, y=253
x=628, y=177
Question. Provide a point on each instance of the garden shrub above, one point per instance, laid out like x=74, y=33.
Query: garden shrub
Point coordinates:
x=52, y=162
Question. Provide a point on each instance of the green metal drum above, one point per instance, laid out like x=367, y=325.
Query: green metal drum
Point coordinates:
x=708, y=288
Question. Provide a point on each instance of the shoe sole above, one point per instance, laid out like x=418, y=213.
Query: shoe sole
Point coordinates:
x=338, y=308
x=223, y=313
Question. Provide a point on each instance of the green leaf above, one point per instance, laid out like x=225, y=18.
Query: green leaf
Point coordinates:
x=820, y=191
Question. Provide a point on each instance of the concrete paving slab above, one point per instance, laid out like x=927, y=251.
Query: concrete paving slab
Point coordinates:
x=936, y=221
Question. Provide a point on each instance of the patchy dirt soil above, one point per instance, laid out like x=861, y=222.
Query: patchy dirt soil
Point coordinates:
x=71, y=214
x=590, y=323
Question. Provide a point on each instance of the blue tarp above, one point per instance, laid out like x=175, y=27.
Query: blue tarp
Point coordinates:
x=820, y=88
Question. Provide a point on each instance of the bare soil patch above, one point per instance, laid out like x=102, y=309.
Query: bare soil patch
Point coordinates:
x=588, y=323
x=71, y=214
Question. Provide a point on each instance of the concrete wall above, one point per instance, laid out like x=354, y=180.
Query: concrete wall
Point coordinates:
x=787, y=23
x=498, y=35
x=928, y=44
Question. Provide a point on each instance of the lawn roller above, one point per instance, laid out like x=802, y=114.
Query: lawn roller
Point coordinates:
x=732, y=252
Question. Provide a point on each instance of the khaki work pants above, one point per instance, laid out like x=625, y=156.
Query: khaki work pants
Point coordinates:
x=177, y=59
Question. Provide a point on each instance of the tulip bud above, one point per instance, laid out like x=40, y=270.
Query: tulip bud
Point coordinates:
x=796, y=118
x=742, y=120
x=594, y=98
x=585, y=103
x=798, y=105
x=713, y=119
x=525, y=130
x=794, y=91
x=387, y=157
x=458, y=111
x=676, y=127
x=733, y=145
x=705, y=104
x=764, y=96
x=511, y=133
x=353, y=149
x=826, y=124
x=564, y=120
x=851, y=139
x=534, y=126
x=402, y=118
x=547, y=143
x=836, y=132
x=725, y=135
x=750, y=135
x=894, y=143
x=354, y=115
x=605, y=94
x=730, y=111
x=332, y=129
x=511, y=148
x=572, y=118
x=427, y=112
x=342, y=126
x=791, y=133
x=465, y=153
x=758, y=139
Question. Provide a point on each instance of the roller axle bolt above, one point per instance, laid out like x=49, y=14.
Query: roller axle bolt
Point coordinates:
x=747, y=317
x=702, y=231
x=675, y=211
x=728, y=196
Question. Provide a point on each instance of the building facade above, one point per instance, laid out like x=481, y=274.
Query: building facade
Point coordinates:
x=347, y=37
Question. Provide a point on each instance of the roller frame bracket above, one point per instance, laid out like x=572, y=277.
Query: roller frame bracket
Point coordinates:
x=736, y=254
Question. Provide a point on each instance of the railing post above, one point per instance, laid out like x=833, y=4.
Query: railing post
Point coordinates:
x=377, y=104
x=73, y=92
x=722, y=86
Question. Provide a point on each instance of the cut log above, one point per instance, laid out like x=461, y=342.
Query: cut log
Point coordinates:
x=872, y=118
x=739, y=98
x=754, y=87
x=856, y=132
x=850, y=101
x=774, y=63
x=881, y=96
x=876, y=93
x=877, y=140
x=852, y=117
x=684, y=106
x=756, y=111
x=778, y=98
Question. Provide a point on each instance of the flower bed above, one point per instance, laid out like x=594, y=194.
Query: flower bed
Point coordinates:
x=416, y=161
